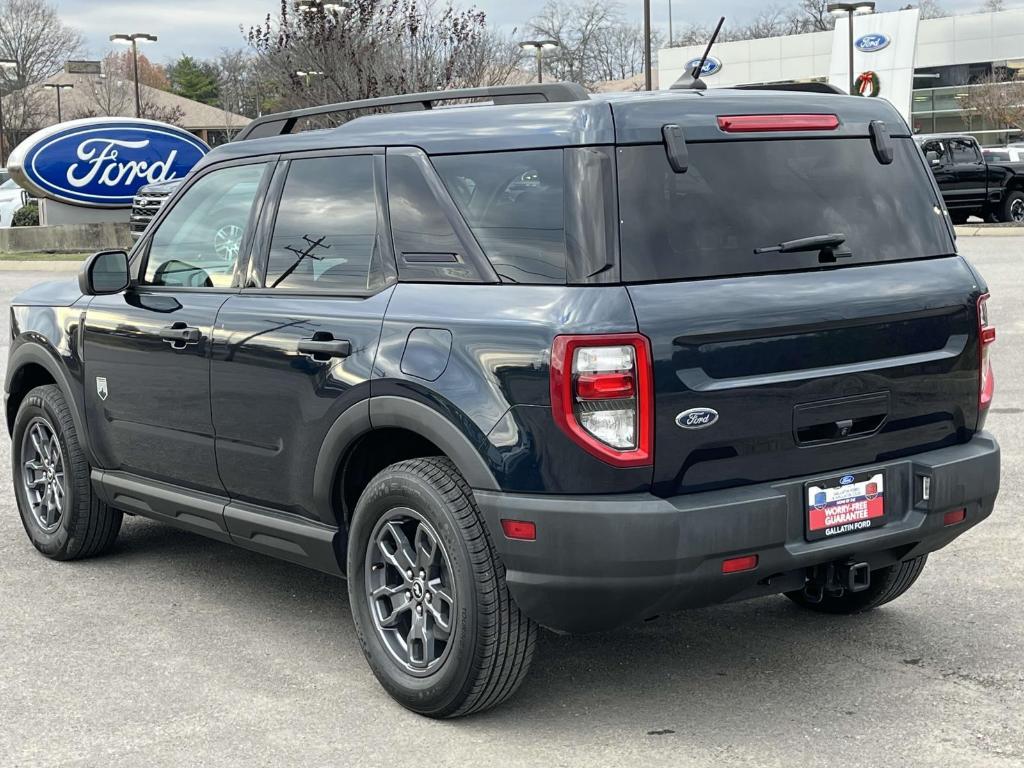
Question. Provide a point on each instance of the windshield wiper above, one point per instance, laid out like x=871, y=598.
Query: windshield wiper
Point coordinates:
x=804, y=244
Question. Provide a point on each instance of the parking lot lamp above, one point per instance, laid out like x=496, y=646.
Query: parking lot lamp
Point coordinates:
x=851, y=10
x=133, y=40
x=539, y=46
x=58, y=87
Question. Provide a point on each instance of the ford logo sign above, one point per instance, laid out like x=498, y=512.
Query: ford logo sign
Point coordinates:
x=697, y=418
x=846, y=480
x=103, y=162
x=872, y=43
x=711, y=66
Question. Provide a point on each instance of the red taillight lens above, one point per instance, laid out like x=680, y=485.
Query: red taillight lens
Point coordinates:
x=955, y=517
x=522, y=530
x=773, y=123
x=602, y=395
x=986, y=337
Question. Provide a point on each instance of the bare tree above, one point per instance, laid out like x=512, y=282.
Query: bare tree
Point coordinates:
x=378, y=48
x=997, y=102
x=33, y=36
x=993, y=6
x=817, y=15
x=930, y=9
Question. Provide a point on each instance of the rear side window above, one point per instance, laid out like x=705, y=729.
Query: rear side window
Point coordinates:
x=514, y=203
x=738, y=196
x=326, y=229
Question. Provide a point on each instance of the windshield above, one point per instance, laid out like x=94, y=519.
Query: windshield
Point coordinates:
x=738, y=196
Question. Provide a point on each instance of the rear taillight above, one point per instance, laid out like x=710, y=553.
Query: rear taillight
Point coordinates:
x=603, y=397
x=773, y=123
x=986, y=337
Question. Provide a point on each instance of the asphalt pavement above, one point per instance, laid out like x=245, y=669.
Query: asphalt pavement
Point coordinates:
x=178, y=651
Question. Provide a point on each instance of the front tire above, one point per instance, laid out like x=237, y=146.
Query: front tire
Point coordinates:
x=59, y=511
x=886, y=585
x=431, y=608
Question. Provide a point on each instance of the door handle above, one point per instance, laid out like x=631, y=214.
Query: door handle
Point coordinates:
x=326, y=348
x=180, y=335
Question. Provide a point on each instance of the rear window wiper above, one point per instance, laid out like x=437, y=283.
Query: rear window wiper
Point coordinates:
x=805, y=244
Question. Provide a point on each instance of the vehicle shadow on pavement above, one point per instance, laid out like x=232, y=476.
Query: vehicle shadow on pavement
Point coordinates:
x=692, y=670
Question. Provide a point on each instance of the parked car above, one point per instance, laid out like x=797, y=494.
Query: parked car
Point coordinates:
x=12, y=199
x=146, y=204
x=561, y=360
x=1009, y=154
x=971, y=184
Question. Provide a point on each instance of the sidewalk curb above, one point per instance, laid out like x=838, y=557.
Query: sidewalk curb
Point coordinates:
x=978, y=231
x=39, y=266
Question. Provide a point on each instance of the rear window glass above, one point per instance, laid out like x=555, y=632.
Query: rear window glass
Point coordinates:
x=514, y=203
x=738, y=196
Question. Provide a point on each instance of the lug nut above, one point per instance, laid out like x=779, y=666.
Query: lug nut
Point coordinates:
x=419, y=609
x=428, y=597
x=409, y=573
x=422, y=573
x=408, y=594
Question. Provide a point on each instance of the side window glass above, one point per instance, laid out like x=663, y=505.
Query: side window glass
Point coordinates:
x=325, y=235
x=938, y=148
x=197, y=245
x=964, y=151
x=515, y=204
x=418, y=223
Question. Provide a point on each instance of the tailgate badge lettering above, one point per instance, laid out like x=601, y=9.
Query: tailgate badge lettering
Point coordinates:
x=697, y=418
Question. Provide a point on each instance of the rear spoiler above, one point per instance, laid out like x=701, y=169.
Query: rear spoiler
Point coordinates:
x=806, y=87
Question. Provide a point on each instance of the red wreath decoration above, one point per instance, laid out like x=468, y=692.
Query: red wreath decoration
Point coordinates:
x=868, y=84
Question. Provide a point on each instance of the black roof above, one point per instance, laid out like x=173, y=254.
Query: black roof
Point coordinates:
x=602, y=119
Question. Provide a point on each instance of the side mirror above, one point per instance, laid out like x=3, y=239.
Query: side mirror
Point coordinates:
x=104, y=273
x=933, y=158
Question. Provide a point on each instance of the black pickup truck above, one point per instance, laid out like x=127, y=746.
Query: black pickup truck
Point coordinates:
x=972, y=185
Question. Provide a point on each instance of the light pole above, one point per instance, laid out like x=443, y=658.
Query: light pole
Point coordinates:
x=133, y=40
x=648, y=66
x=669, y=23
x=539, y=46
x=307, y=74
x=315, y=5
x=852, y=9
x=58, y=87
x=6, y=65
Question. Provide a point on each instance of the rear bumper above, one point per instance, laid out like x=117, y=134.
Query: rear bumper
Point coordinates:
x=603, y=561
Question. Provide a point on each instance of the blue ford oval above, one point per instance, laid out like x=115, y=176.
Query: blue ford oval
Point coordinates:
x=872, y=43
x=711, y=66
x=103, y=162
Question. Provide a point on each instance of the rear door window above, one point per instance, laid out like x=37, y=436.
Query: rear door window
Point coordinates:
x=964, y=152
x=738, y=196
x=326, y=230
x=514, y=202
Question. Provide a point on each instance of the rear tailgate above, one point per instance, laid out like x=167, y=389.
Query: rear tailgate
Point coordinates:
x=776, y=365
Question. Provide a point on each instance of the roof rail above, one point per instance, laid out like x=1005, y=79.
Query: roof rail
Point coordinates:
x=808, y=87
x=283, y=123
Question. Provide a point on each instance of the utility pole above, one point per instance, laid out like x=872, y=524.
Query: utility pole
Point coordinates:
x=648, y=82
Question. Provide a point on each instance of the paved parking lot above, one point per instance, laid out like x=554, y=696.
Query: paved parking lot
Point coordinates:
x=178, y=651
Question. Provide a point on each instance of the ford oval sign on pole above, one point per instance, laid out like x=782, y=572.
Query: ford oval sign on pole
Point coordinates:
x=711, y=66
x=102, y=162
x=872, y=43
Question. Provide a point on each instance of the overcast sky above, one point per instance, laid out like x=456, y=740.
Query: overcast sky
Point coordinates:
x=204, y=27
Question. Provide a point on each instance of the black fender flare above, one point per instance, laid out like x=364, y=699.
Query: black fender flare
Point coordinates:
x=30, y=353
x=390, y=411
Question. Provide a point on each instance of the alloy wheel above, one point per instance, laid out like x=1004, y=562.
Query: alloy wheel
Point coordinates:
x=42, y=474
x=1017, y=210
x=411, y=591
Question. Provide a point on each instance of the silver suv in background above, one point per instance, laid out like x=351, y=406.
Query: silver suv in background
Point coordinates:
x=146, y=204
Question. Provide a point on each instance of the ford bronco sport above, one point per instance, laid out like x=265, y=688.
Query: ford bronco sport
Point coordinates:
x=536, y=359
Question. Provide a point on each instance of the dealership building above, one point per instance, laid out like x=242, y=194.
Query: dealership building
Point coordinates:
x=925, y=67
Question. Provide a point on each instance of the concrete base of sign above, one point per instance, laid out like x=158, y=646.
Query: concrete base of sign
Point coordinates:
x=56, y=213
x=69, y=238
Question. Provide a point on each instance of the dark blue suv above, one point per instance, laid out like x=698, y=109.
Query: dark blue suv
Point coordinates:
x=534, y=358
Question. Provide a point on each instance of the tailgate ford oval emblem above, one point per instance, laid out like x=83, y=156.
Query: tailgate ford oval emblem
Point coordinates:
x=697, y=418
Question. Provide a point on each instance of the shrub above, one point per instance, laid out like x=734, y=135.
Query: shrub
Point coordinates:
x=26, y=216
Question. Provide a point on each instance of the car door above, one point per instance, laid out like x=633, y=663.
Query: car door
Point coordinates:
x=969, y=173
x=295, y=348
x=147, y=349
x=936, y=152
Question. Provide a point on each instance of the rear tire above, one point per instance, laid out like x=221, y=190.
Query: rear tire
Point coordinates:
x=886, y=585
x=1013, y=208
x=62, y=516
x=431, y=608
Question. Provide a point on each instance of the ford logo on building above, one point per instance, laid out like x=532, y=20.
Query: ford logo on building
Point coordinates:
x=103, y=162
x=697, y=418
x=872, y=43
x=711, y=66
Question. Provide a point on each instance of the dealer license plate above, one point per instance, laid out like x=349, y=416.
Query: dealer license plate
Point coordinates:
x=845, y=504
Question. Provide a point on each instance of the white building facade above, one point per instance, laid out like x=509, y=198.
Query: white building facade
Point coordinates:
x=924, y=66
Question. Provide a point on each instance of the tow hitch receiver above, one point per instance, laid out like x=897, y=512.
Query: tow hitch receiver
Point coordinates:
x=835, y=579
